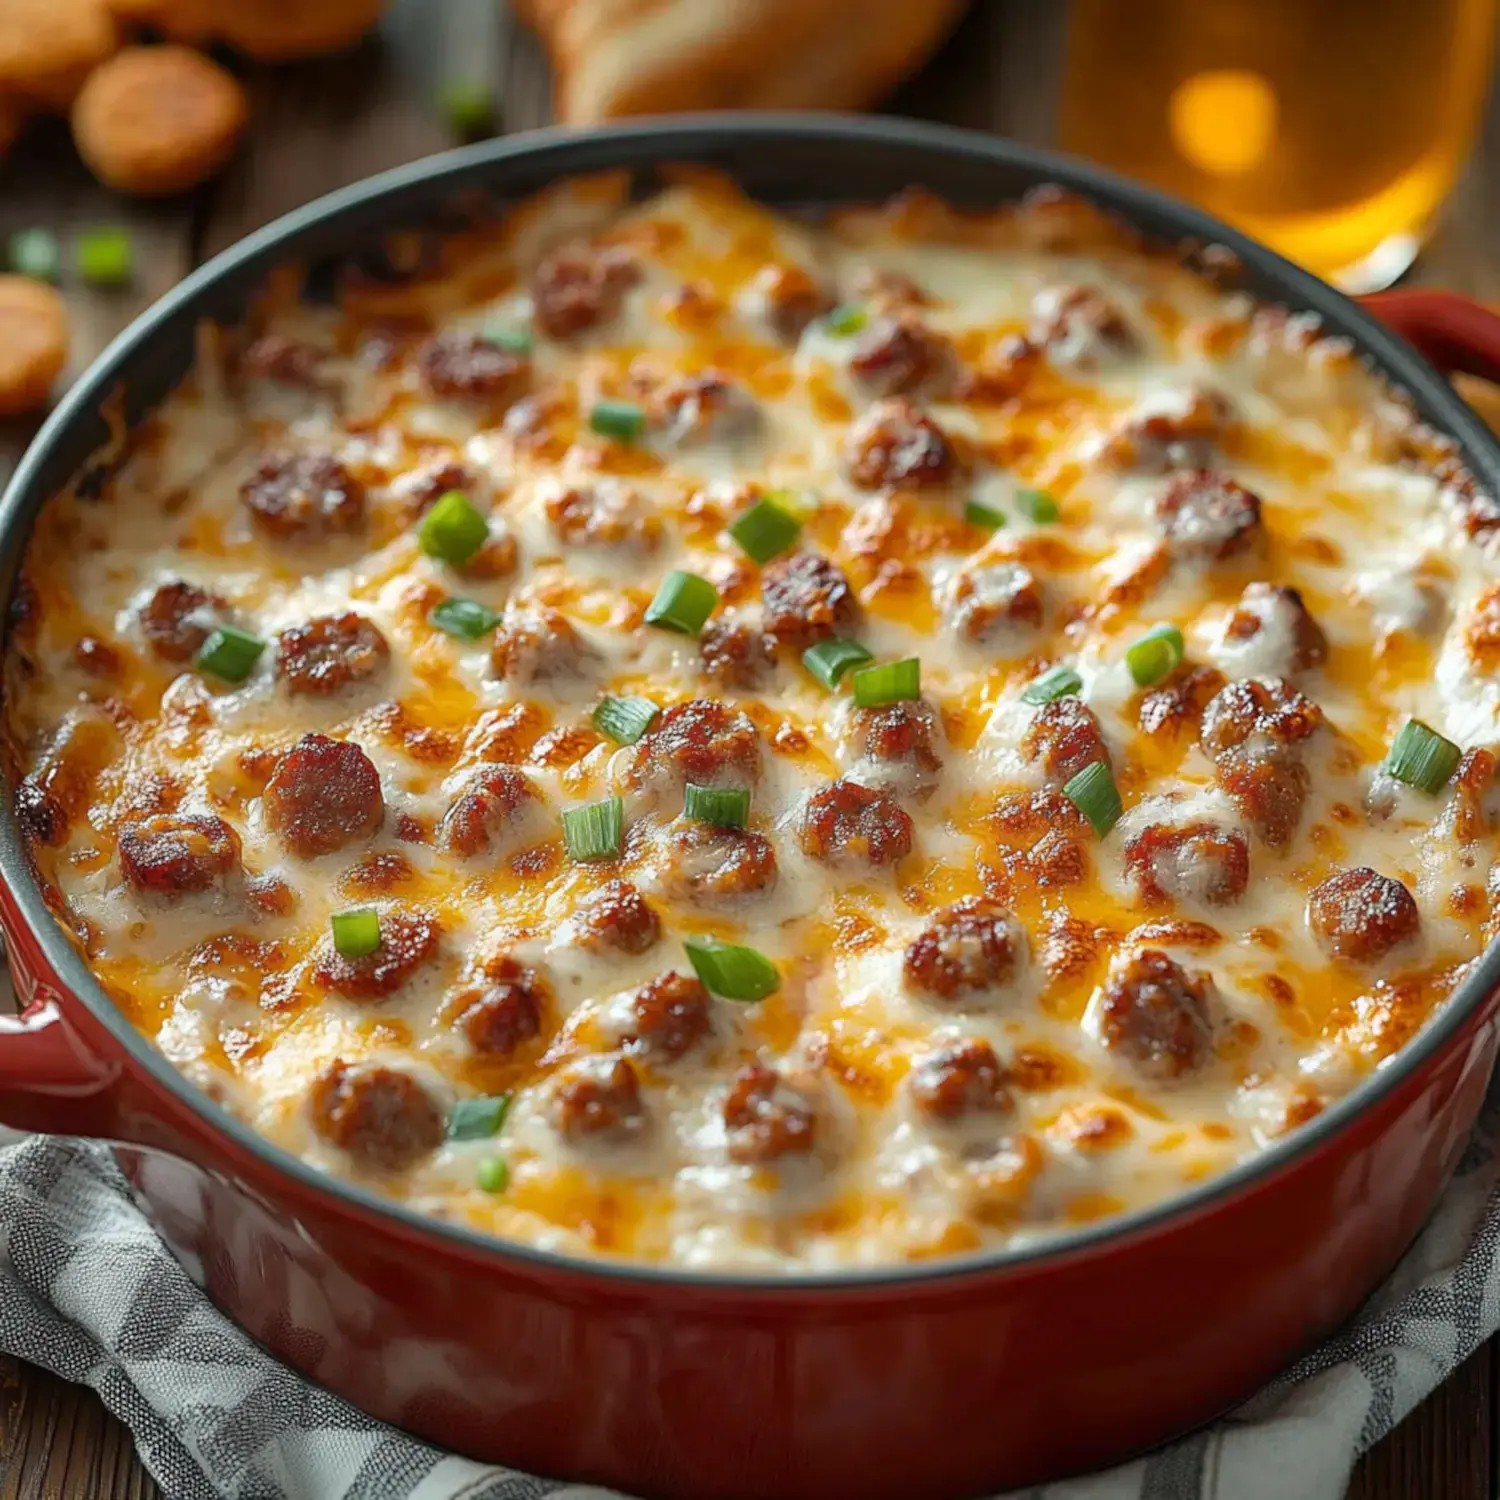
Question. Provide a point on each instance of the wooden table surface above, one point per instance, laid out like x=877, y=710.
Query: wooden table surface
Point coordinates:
x=320, y=125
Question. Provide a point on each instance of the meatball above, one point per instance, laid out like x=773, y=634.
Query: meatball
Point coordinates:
x=996, y=605
x=1198, y=862
x=178, y=618
x=735, y=655
x=966, y=949
x=1064, y=737
x=705, y=408
x=303, y=497
x=1172, y=430
x=700, y=741
x=669, y=1017
x=535, y=643
x=1207, y=517
x=323, y=795
x=894, y=445
x=1177, y=706
x=846, y=823
x=456, y=364
x=963, y=1078
x=407, y=941
x=767, y=1118
x=788, y=299
x=286, y=361
x=330, y=653
x=807, y=599
x=1155, y=1013
x=603, y=513
x=381, y=1117
x=901, y=741
x=496, y=801
x=1362, y=916
x=1272, y=629
x=580, y=286
x=902, y=356
x=503, y=1010
x=707, y=864
x=599, y=1103
x=1080, y=327
x=614, y=918
x=173, y=854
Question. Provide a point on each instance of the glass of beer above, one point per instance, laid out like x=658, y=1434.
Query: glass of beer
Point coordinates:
x=1331, y=129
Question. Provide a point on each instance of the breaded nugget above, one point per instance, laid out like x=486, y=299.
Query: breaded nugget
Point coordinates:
x=48, y=47
x=156, y=120
x=278, y=30
x=33, y=343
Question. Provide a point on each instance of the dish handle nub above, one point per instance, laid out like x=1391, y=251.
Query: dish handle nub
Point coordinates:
x=1456, y=334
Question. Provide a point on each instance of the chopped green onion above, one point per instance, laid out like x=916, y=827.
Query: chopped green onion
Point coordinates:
x=803, y=504
x=492, y=1175
x=36, y=253
x=889, y=682
x=464, y=618
x=983, y=516
x=830, y=659
x=229, y=653
x=725, y=807
x=845, y=319
x=1156, y=654
x=1094, y=793
x=356, y=933
x=478, y=1119
x=625, y=720
x=469, y=108
x=683, y=603
x=734, y=973
x=765, y=531
x=624, y=421
x=594, y=831
x=453, y=531
x=1037, y=506
x=1421, y=757
x=513, y=340
x=1056, y=682
x=104, y=256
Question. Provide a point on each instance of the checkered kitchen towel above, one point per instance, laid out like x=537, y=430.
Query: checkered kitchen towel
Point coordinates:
x=87, y=1290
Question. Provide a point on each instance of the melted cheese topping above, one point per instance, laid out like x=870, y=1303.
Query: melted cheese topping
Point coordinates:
x=847, y=1154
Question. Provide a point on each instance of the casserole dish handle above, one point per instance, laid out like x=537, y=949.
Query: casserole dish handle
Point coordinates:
x=1456, y=334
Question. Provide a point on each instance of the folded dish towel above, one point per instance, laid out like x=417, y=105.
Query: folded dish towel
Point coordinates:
x=87, y=1290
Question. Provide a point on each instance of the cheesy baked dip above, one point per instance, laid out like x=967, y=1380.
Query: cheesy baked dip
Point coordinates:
x=669, y=730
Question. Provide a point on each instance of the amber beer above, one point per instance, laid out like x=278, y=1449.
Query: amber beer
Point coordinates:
x=1333, y=129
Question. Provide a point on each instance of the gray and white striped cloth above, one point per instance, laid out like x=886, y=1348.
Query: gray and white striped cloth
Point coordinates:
x=88, y=1291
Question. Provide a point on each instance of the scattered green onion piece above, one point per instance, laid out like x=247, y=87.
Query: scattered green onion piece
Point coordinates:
x=229, y=653
x=1037, y=506
x=830, y=659
x=624, y=421
x=492, y=1175
x=732, y=972
x=104, y=256
x=478, y=1119
x=984, y=516
x=1422, y=758
x=464, y=618
x=801, y=504
x=845, y=319
x=356, y=933
x=889, y=682
x=625, y=720
x=1155, y=655
x=453, y=531
x=594, y=831
x=1094, y=793
x=1056, y=682
x=469, y=108
x=683, y=603
x=765, y=531
x=36, y=253
x=514, y=340
x=724, y=807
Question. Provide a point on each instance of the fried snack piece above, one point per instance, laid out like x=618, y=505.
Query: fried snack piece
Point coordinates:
x=630, y=57
x=278, y=30
x=156, y=120
x=48, y=48
x=33, y=343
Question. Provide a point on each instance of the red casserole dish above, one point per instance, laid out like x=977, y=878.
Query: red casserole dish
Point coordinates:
x=974, y=1373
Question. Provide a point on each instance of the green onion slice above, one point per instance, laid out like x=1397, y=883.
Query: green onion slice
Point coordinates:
x=594, y=831
x=889, y=682
x=356, y=933
x=986, y=517
x=625, y=720
x=725, y=807
x=830, y=659
x=734, y=973
x=1155, y=655
x=801, y=504
x=845, y=319
x=36, y=253
x=1056, y=682
x=452, y=531
x=229, y=654
x=624, y=421
x=1094, y=793
x=513, y=340
x=683, y=603
x=464, y=618
x=478, y=1119
x=492, y=1175
x=1422, y=758
x=468, y=106
x=104, y=256
x=765, y=531
x=1037, y=506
